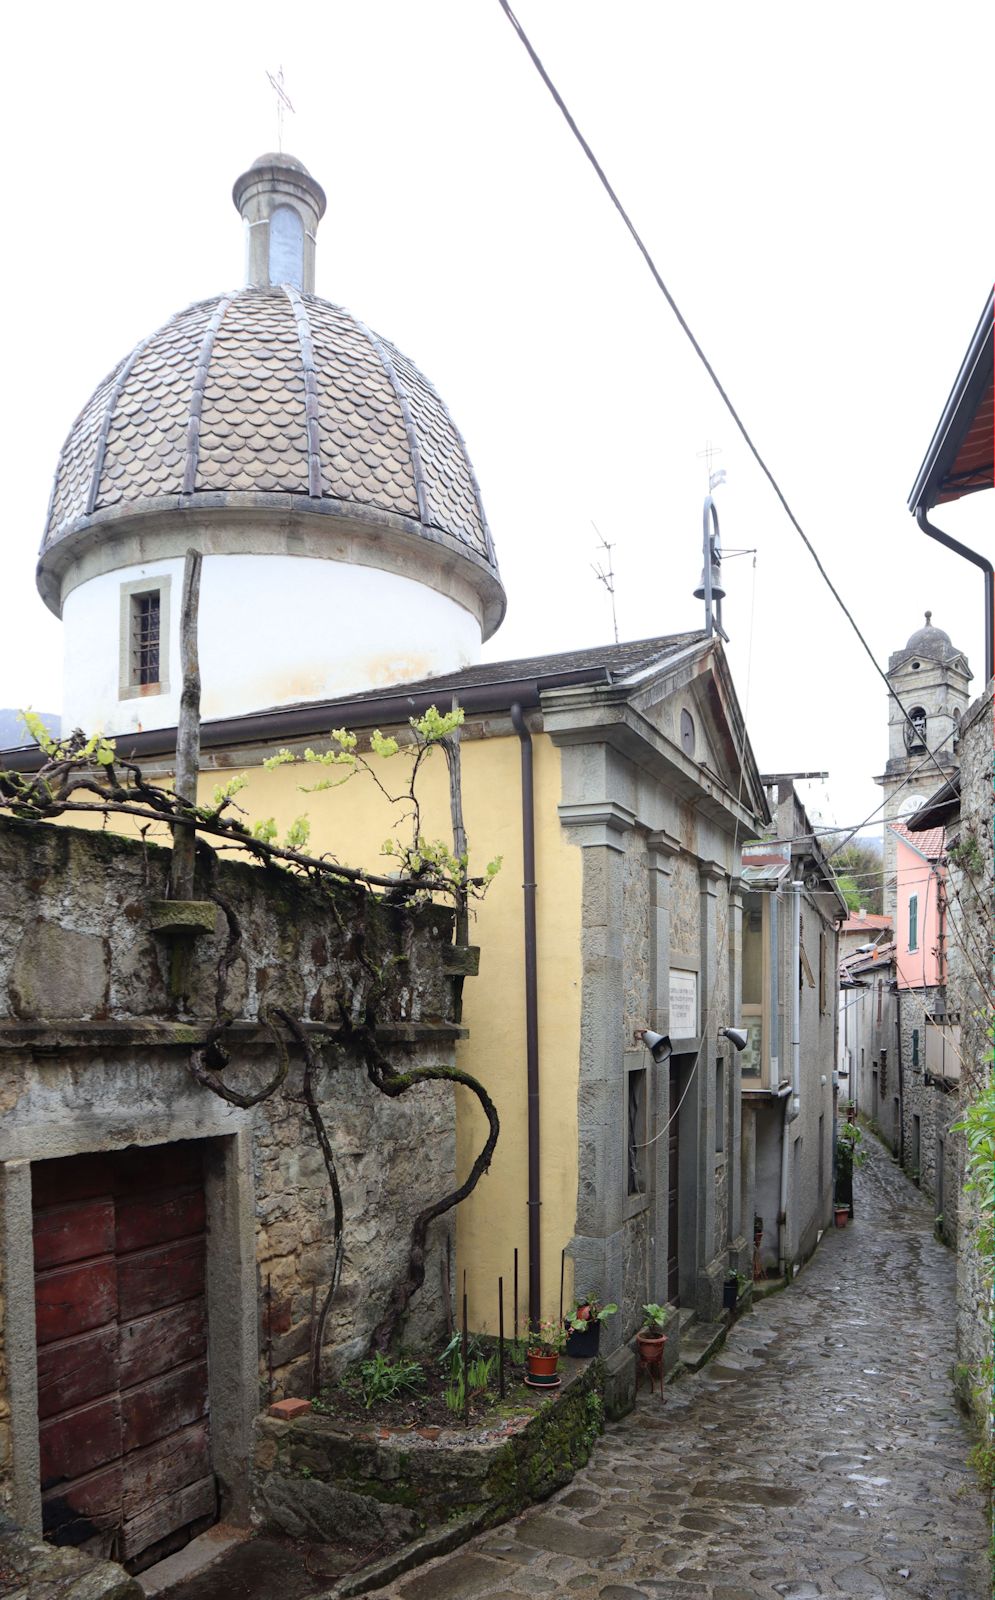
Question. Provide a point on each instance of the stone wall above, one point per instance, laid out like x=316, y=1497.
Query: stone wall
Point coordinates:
x=972, y=892
x=636, y=943
x=33, y=1570
x=95, y=1056
x=685, y=914
x=935, y=1107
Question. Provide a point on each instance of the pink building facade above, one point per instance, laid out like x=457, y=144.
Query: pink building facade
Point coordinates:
x=919, y=925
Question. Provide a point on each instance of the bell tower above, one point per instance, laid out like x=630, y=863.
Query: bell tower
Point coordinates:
x=930, y=676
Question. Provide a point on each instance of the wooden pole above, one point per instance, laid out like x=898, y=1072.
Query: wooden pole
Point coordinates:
x=461, y=932
x=501, y=1337
x=269, y=1336
x=181, y=866
x=466, y=1360
x=181, y=870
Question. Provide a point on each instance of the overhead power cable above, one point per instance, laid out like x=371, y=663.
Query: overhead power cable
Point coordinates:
x=699, y=352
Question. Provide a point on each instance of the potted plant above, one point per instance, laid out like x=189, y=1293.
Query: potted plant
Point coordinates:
x=730, y=1291
x=651, y=1337
x=584, y=1327
x=542, y=1355
x=841, y=1213
x=848, y=1156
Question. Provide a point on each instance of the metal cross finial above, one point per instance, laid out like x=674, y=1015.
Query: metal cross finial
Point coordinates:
x=283, y=104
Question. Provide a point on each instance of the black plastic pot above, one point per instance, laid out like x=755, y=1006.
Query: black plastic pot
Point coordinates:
x=583, y=1346
x=730, y=1293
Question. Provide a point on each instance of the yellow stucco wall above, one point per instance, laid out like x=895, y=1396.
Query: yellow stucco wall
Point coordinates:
x=351, y=822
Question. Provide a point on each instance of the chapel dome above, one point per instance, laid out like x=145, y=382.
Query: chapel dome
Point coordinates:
x=269, y=397
x=265, y=418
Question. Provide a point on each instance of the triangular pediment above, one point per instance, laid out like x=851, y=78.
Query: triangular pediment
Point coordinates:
x=692, y=703
x=709, y=766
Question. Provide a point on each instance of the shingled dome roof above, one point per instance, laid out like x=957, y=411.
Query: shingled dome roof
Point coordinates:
x=267, y=393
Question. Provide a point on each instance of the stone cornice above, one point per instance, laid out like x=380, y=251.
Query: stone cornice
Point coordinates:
x=664, y=846
x=53, y=1035
x=603, y=822
x=269, y=524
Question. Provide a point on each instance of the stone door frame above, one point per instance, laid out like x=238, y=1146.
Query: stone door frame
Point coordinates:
x=232, y=1317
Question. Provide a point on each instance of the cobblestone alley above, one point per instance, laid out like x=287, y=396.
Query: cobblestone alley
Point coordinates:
x=820, y=1454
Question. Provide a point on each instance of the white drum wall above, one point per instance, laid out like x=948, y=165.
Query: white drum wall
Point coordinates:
x=274, y=630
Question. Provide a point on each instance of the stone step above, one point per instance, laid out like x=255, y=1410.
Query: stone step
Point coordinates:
x=700, y=1343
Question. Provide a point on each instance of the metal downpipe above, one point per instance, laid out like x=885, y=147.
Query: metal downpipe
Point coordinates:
x=989, y=572
x=531, y=1012
x=782, y=1216
x=796, y=961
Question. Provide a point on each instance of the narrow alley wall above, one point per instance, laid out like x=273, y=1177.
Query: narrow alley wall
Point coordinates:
x=95, y=1059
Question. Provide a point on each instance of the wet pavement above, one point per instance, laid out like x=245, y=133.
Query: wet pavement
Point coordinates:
x=821, y=1454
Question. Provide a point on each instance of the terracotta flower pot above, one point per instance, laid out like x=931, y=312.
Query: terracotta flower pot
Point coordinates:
x=542, y=1368
x=651, y=1346
x=841, y=1215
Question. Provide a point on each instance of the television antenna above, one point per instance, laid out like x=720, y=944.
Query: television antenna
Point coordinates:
x=606, y=577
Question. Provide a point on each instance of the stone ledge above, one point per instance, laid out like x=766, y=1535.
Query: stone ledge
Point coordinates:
x=34, y=1570
x=439, y=1542
x=70, y=1033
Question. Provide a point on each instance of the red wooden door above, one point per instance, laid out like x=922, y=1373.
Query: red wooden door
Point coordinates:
x=121, y=1318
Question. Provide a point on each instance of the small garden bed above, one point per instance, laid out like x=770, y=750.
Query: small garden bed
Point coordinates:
x=427, y=1392
x=386, y=1479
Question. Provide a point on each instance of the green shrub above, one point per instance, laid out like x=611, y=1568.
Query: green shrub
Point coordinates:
x=381, y=1379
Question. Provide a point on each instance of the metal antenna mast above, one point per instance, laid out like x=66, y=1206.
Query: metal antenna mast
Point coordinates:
x=607, y=578
x=710, y=588
x=283, y=104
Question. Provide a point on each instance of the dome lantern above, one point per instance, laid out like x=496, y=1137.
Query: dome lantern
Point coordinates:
x=281, y=206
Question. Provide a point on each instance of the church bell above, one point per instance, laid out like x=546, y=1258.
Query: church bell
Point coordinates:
x=718, y=593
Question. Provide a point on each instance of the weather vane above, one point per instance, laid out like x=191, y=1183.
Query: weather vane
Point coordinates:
x=283, y=104
x=708, y=454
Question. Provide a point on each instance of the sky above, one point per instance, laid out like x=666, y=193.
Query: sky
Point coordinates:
x=813, y=183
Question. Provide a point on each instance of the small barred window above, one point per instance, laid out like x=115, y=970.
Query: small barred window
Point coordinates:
x=145, y=637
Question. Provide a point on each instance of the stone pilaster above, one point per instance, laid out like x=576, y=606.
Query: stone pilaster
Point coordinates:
x=738, y=1225
x=661, y=849
x=598, y=1247
x=708, y=1287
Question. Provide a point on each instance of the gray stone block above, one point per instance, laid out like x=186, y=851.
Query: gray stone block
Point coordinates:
x=620, y=1384
x=58, y=972
x=306, y=1508
x=34, y=1570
